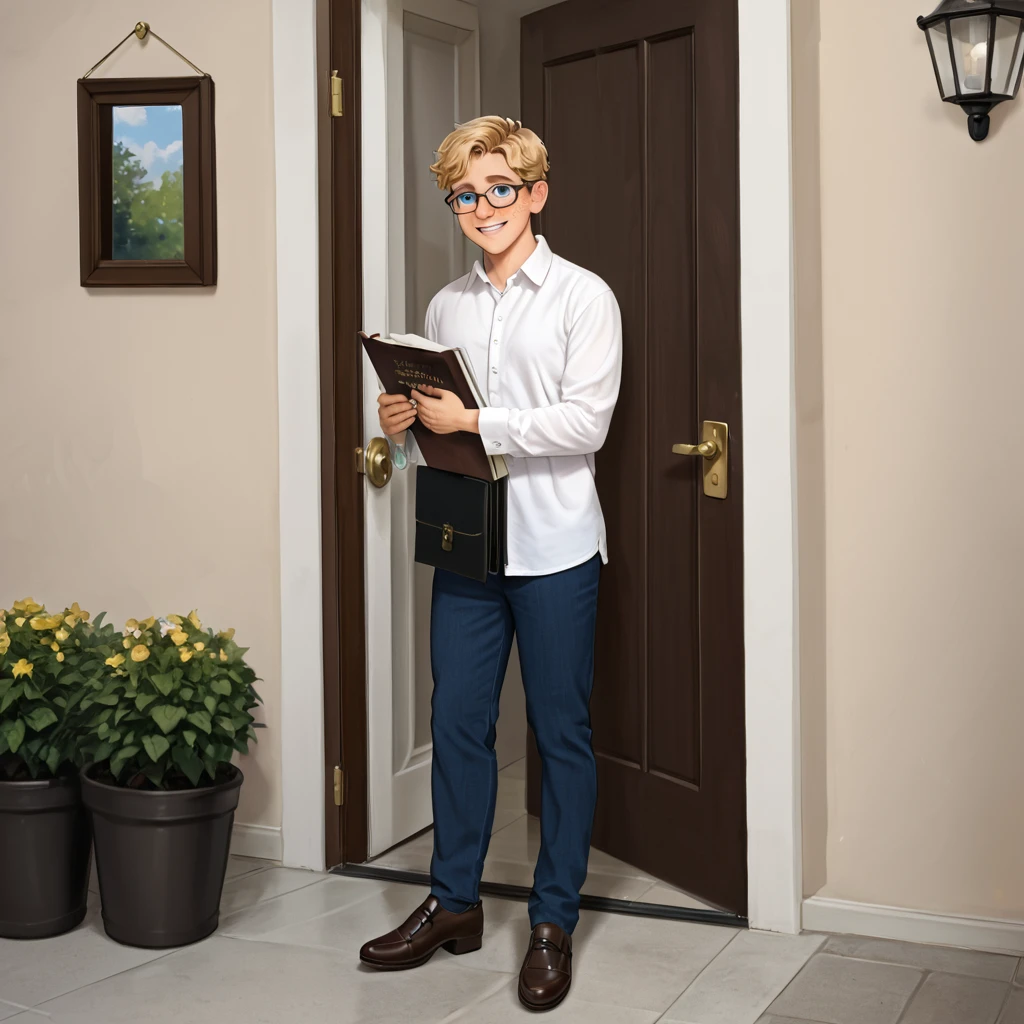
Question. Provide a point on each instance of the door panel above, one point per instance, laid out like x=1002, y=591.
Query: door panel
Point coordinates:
x=426, y=57
x=637, y=104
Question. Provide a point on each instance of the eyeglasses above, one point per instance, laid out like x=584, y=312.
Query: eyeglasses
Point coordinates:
x=499, y=196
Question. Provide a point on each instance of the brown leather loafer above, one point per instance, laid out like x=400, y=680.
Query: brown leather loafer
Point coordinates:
x=428, y=929
x=547, y=970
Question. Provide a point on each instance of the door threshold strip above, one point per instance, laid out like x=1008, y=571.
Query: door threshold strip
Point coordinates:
x=520, y=892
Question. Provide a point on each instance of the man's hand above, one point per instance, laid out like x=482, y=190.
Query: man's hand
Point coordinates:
x=442, y=412
x=396, y=414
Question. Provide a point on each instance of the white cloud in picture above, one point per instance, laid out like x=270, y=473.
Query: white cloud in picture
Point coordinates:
x=134, y=116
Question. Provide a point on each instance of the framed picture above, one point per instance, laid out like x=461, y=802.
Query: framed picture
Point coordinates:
x=147, y=182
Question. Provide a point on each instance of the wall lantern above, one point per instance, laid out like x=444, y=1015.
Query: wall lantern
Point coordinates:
x=978, y=53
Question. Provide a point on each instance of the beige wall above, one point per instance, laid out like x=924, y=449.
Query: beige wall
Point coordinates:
x=139, y=472
x=922, y=362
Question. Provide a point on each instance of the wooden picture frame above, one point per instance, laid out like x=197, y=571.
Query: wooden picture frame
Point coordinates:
x=97, y=98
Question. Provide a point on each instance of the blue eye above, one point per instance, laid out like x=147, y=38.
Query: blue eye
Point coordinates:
x=466, y=198
x=502, y=191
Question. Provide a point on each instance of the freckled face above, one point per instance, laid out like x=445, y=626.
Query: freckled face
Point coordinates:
x=495, y=230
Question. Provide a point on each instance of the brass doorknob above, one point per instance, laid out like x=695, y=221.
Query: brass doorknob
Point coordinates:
x=376, y=462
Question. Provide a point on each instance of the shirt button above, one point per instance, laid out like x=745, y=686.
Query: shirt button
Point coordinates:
x=495, y=341
x=497, y=444
x=499, y=316
x=494, y=369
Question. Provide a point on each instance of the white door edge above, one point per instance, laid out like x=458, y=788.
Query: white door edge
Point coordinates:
x=770, y=626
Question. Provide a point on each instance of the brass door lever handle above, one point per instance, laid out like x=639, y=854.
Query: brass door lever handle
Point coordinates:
x=714, y=450
x=709, y=449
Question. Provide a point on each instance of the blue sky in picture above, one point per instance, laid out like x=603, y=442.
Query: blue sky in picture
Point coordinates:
x=153, y=134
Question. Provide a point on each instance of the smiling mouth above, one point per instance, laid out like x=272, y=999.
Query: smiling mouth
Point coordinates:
x=492, y=228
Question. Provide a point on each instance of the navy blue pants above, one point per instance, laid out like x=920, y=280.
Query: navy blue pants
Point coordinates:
x=471, y=630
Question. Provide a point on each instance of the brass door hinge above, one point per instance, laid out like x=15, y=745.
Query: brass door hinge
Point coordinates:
x=339, y=787
x=337, y=96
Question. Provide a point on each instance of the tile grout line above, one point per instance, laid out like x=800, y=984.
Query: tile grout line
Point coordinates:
x=693, y=980
x=925, y=975
x=917, y=967
x=1006, y=999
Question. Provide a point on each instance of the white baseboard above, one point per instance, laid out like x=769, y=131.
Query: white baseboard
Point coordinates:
x=261, y=841
x=822, y=914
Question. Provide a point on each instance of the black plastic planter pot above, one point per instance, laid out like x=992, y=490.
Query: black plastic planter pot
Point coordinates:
x=44, y=858
x=161, y=858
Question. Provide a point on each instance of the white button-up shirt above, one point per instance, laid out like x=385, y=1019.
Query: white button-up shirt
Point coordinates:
x=547, y=353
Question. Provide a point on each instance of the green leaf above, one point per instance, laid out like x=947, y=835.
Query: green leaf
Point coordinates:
x=221, y=686
x=103, y=751
x=30, y=690
x=164, y=683
x=120, y=713
x=201, y=720
x=167, y=717
x=11, y=696
x=211, y=704
x=187, y=761
x=156, y=746
x=40, y=719
x=144, y=700
x=14, y=733
x=109, y=699
x=226, y=724
x=186, y=692
x=52, y=760
x=189, y=736
x=118, y=761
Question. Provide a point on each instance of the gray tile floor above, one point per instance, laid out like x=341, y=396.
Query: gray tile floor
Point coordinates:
x=287, y=953
x=515, y=842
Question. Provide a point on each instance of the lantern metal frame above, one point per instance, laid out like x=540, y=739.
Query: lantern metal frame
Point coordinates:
x=976, y=104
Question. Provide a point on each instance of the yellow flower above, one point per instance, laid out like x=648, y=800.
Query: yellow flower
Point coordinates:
x=140, y=652
x=186, y=655
x=60, y=657
x=131, y=625
x=227, y=634
x=223, y=656
x=147, y=623
x=5, y=643
x=179, y=637
x=194, y=619
x=55, y=646
x=212, y=655
x=46, y=622
x=28, y=606
x=62, y=635
x=22, y=668
x=126, y=643
x=115, y=661
x=20, y=621
x=200, y=646
x=74, y=615
x=176, y=619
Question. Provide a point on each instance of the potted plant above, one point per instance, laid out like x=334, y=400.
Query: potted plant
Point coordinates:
x=44, y=831
x=158, y=730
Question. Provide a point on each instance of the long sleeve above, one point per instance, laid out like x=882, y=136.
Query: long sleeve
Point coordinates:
x=578, y=423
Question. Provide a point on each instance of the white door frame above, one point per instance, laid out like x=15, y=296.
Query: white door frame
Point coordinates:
x=767, y=319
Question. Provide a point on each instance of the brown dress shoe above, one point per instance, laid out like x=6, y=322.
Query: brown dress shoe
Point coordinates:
x=547, y=970
x=428, y=928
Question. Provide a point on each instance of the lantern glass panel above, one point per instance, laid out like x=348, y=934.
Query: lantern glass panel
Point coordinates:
x=970, y=47
x=1006, y=55
x=938, y=37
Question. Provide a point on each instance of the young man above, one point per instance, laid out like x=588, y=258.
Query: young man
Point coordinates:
x=545, y=340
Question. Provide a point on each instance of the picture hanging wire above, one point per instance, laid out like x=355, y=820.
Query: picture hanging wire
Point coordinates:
x=142, y=30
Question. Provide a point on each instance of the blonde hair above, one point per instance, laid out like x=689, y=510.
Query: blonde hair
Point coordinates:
x=521, y=148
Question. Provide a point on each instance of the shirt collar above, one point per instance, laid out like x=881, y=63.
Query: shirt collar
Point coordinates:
x=536, y=267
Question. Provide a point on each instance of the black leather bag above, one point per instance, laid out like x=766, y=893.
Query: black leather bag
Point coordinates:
x=460, y=523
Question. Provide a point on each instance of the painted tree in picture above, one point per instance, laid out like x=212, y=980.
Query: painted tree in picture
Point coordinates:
x=147, y=193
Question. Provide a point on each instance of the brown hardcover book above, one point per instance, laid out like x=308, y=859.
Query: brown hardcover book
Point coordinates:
x=412, y=361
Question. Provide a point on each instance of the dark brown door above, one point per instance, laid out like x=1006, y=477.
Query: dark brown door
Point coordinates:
x=637, y=104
